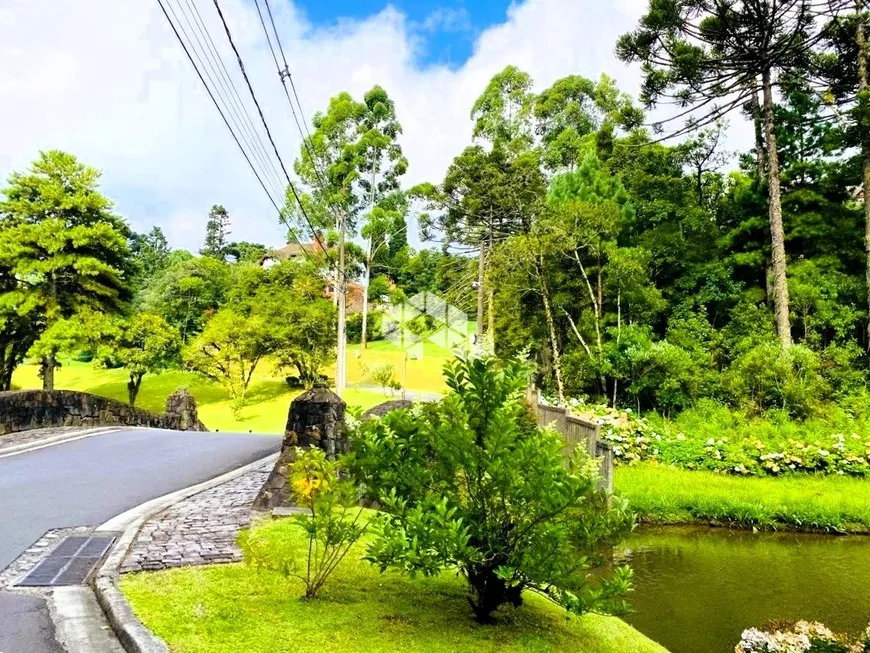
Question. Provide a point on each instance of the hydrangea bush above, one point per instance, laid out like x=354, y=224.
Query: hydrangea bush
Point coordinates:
x=800, y=637
x=715, y=438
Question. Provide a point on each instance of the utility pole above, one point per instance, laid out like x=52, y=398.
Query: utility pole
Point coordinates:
x=341, y=292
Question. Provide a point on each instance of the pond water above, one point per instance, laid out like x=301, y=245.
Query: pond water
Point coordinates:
x=697, y=589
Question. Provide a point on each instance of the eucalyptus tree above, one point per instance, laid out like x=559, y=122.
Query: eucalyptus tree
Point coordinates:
x=576, y=116
x=381, y=164
x=502, y=114
x=710, y=57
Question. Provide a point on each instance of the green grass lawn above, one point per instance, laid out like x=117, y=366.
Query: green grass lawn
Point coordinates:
x=423, y=373
x=269, y=396
x=234, y=608
x=669, y=495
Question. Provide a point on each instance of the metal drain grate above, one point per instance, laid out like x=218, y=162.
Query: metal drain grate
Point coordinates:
x=70, y=563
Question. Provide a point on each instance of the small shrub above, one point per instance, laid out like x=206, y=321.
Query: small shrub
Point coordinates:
x=472, y=484
x=383, y=375
x=332, y=527
x=765, y=377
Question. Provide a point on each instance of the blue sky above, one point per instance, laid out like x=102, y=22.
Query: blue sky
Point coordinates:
x=446, y=29
x=142, y=116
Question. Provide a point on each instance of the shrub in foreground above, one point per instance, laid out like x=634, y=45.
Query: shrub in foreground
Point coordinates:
x=472, y=484
x=333, y=526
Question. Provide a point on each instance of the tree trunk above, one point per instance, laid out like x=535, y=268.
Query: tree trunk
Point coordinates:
x=551, y=326
x=863, y=124
x=48, y=365
x=761, y=167
x=618, y=337
x=369, y=254
x=365, y=306
x=481, y=268
x=6, y=367
x=341, y=292
x=777, y=234
x=488, y=592
x=133, y=385
x=490, y=307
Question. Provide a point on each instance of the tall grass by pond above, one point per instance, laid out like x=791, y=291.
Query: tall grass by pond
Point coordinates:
x=668, y=495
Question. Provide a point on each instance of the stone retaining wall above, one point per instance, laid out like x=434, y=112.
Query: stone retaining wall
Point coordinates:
x=22, y=410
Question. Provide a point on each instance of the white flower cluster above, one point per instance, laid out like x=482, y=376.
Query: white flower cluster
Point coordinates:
x=798, y=639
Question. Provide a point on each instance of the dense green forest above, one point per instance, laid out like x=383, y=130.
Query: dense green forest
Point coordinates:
x=636, y=260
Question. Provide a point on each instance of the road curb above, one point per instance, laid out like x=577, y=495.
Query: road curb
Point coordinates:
x=58, y=439
x=130, y=631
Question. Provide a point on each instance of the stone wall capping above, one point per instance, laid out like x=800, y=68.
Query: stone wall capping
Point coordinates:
x=24, y=410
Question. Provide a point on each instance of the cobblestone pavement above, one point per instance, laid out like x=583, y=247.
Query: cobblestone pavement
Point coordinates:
x=200, y=530
x=36, y=435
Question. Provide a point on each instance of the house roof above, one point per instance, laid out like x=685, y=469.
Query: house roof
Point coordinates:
x=294, y=250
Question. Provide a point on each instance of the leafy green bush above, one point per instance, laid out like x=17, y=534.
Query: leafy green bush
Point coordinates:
x=373, y=326
x=765, y=377
x=472, y=484
x=382, y=374
x=332, y=527
x=714, y=437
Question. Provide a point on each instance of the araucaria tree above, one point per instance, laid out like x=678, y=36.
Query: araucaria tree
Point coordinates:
x=63, y=251
x=472, y=484
x=845, y=68
x=217, y=231
x=713, y=56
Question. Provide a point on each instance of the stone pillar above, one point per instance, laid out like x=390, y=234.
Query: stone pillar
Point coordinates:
x=181, y=407
x=315, y=419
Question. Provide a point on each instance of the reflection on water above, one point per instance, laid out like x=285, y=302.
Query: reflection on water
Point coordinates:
x=698, y=588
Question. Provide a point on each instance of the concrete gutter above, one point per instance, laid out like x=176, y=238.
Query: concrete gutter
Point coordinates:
x=130, y=631
x=27, y=447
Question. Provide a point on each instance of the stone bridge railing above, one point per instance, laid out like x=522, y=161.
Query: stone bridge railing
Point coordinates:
x=576, y=431
x=21, y=410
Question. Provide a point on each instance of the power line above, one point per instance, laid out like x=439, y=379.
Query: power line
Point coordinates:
x=284, y=75
x=217, y=106
x=219, y=96
x=266, y=125
x=220, y=110
x=229, y=87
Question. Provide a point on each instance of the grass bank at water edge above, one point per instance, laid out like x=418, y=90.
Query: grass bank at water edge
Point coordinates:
x=668, y=495
x=235, y=608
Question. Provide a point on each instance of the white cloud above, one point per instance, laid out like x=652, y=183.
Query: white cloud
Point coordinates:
x=446, y=19
x=107, y=81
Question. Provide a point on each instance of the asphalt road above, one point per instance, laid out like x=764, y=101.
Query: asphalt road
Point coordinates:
x=89, y=481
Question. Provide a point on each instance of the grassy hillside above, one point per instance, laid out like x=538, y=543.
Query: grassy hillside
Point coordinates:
x=269, y=396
